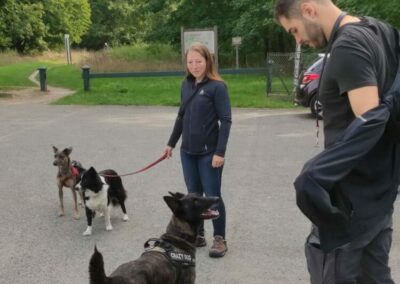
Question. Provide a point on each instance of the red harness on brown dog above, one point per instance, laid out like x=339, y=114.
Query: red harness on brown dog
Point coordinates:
x=74, y=171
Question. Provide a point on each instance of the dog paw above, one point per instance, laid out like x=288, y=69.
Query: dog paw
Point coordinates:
x=125, y=218
x=109, y=228
x=60, y=214
x=88, y=232
x=77, y=216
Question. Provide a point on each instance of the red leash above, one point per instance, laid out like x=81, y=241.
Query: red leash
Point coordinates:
x=141, y=170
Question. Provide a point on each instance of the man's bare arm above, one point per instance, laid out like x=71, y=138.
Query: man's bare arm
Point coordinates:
x=363, y=99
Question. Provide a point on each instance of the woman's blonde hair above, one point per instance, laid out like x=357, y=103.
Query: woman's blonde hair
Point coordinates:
x=211, y=70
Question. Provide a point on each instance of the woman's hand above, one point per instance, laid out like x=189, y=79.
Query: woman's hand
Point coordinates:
x=168, y=152
x=217, y=161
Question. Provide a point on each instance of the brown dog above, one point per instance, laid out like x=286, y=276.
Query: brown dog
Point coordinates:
x=68, y=176
x=169, y=259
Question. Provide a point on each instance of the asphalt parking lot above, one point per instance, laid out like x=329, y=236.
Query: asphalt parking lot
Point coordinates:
x=265, y=230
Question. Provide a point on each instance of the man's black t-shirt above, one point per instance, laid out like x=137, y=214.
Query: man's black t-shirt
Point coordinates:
x=362, y=55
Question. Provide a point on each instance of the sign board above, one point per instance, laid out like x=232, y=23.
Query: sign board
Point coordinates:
x=237, y=40
x=207, y=36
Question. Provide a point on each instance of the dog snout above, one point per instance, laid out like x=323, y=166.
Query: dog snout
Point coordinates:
x=55, y=163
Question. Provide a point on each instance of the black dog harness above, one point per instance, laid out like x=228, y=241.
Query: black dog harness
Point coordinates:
x=178, y=257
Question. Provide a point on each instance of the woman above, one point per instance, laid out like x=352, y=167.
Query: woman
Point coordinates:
x=204, y=121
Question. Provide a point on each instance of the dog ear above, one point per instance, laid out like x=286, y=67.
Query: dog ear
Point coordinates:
x=67, y=151
x=173, y=203
x=54, y=149
x=92, y=170
x=177, y=195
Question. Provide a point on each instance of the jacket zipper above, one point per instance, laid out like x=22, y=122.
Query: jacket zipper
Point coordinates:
x=190, y=118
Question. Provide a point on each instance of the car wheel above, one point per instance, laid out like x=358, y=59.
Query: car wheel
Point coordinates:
x=316, y=107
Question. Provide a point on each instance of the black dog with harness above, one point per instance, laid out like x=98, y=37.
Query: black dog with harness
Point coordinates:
x=169, y=259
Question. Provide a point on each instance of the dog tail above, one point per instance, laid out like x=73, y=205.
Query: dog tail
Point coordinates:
x=97, y=274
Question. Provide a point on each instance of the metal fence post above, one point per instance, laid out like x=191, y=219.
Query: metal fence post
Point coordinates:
x=86, y=77
x=269, y=76
x=42, y=79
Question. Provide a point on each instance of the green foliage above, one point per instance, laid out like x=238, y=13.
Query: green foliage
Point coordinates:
x=67, y=76
x=16, y=75
x=244, y=91
x=22, y=27
x=250, y=19
x=115, y=22
x=31, y=26
x=189, y=14
x=389, y=10
x=5, y=40
x=66, y=17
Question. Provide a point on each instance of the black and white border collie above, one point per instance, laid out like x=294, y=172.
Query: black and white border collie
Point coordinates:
x=101, y=191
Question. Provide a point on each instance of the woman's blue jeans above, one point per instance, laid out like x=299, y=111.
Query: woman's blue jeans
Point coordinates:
x=202, y=178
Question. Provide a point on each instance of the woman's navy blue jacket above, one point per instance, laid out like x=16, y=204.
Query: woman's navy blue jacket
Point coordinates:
x=204, y=120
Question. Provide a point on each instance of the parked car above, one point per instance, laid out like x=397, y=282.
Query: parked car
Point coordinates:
x=307, y=87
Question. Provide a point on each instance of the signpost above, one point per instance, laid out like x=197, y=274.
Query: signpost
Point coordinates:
x=68, y=48
x=297, y=57
x=236, y=42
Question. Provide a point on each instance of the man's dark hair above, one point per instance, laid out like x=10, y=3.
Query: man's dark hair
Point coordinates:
x=287, y=9
x=291, y=8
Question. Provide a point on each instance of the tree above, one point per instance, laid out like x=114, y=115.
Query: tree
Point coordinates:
x=22, y=26
x=167, y=18
x=257, y=26
x=30, y=26
x=388, y=11
x=66, y=17
x=116, y=22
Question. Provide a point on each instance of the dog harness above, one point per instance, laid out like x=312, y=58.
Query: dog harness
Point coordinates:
x=74, y=171
x=180, y=258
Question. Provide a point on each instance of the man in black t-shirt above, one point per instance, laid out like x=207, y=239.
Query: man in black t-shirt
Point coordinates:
x=352, y=244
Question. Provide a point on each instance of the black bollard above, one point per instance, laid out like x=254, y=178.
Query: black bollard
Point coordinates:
x=43, y=79
x=86, y=78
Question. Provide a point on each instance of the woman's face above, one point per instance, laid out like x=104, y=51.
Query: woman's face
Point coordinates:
x=196, y=65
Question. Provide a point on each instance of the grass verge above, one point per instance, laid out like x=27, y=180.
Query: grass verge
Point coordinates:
x=245, y=90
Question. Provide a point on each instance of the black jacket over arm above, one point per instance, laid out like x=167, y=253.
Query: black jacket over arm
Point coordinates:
x=325, y=191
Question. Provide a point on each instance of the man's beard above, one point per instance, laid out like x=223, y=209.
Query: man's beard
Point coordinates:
x=316, y=37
